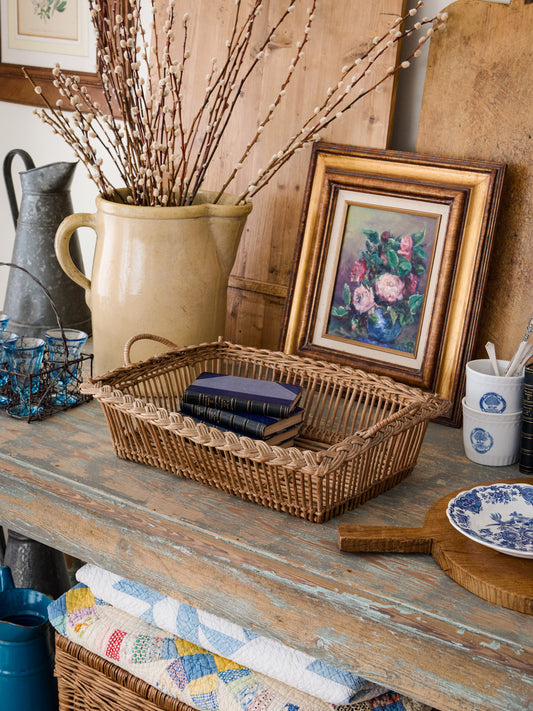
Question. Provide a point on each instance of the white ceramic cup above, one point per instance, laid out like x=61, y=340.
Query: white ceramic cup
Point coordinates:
x=491, y=439
x=491, y=393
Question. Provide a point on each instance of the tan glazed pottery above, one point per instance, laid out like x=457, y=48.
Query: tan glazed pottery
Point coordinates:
x=160, y=270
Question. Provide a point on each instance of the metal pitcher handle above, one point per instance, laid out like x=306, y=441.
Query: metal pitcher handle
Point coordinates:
x=8, y=178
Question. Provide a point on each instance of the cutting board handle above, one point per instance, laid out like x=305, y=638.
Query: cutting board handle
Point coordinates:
x=384, y=539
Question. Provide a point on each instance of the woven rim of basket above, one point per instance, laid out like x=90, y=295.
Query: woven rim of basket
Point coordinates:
x=425, y=407
x=275, y=359
x=258, y=450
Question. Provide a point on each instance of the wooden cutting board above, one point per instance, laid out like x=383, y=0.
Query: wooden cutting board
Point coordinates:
x=477, y=104
x=499, y=578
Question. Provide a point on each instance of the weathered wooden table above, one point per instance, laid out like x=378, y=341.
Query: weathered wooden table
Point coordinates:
x=396, y=619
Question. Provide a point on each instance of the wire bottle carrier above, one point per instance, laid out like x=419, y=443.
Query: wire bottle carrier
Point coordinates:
x=41, y=386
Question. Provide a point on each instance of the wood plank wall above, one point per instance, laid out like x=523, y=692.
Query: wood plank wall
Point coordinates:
x=342, y=30
x=477, y=105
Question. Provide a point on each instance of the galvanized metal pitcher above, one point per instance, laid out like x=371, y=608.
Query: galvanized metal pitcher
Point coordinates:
x=26, y=651
x=45, y=202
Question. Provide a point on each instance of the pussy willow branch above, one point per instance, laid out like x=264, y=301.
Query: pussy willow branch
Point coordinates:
x=332, y=110
x=259, y=56
x=161, y=159
x=273, y=106
x=220, y=92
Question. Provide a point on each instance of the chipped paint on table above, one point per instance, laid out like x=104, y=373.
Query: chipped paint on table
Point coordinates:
x=396, y=619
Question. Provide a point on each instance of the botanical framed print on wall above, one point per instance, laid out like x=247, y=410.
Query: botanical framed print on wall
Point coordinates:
x=36, y=34
x=391, y=264
x=41, y=32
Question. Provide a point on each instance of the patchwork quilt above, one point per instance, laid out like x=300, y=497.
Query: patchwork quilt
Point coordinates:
x=183, y=670
x=221, y=637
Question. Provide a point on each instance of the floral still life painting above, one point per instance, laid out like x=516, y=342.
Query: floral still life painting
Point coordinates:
x=379, y=291
x=391, y=262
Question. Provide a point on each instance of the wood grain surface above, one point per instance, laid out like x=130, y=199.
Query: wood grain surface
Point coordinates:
x=341, y=30
x=502, y=579
x=396, y=619
x=477, y=103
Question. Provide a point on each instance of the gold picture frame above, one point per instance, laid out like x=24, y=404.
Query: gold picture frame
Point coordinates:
x=391, y=264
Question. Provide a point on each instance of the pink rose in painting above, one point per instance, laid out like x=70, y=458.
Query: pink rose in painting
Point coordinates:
x=359, y=271
x=406, y=247
x=389, y=288
x=363, y=299
x=411, y=284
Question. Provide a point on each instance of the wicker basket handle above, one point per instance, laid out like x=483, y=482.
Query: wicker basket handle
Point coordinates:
x=144, y=337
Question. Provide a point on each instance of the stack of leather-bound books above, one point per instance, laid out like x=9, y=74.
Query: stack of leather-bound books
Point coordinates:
x=261, y=409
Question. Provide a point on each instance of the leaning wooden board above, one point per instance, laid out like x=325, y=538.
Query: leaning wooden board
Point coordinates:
x=477, y=104
x=342, y=30
x=499, y=578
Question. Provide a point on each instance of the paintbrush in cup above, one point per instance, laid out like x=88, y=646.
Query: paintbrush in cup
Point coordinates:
x=491, y=351
x=520, y=359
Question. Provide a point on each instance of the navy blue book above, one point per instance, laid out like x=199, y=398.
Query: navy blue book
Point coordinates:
x=283, y=438
x=249, y=423
x=250, y=395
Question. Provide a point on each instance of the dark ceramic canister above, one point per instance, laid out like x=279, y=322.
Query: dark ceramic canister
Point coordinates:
x=44, y=203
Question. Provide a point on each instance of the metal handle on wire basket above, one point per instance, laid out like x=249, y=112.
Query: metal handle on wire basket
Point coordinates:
x=48, y=296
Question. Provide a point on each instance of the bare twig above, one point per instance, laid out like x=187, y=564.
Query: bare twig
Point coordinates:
x=142, y=129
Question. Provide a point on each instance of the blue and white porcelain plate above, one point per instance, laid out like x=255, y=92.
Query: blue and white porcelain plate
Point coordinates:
x=499, y=516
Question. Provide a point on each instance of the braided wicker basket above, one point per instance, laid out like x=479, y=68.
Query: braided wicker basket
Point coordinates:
x=88, y=682
x=361, y=433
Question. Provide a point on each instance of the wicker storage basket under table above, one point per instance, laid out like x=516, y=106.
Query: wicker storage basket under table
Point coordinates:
x=88, y=682
x=361, y=433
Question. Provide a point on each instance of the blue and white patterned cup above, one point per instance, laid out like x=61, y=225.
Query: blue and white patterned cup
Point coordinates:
x=490, y=393
x=490, y=438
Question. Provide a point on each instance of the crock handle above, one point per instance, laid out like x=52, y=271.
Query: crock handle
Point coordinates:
x=62, y=241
